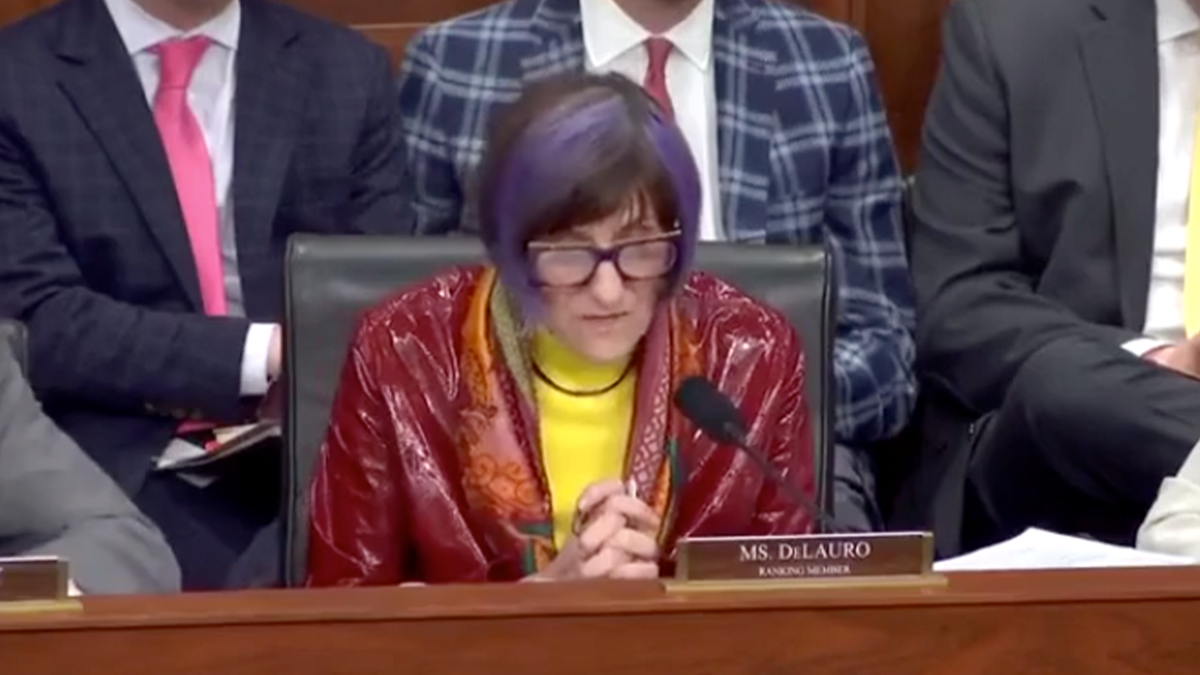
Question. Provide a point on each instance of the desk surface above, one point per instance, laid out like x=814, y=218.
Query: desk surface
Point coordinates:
x=1070, y=622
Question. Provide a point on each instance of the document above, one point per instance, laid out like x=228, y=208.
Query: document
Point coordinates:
x=1036, y=549
x=199, y=460
x=225, y=442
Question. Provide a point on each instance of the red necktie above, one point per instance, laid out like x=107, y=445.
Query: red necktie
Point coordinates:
x=658, y=49
x=191, y=167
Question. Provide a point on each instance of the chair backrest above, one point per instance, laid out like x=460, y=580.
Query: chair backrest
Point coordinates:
x=330, y=281
x=12, y=335
x=908, y=214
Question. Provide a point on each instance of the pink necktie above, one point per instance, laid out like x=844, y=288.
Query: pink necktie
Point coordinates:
x=191, y=167
x=655, y=83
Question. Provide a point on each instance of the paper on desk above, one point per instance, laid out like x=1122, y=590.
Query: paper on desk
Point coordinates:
x=1037, y=549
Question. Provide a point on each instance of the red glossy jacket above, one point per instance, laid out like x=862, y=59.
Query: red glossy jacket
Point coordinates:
x=388, y=502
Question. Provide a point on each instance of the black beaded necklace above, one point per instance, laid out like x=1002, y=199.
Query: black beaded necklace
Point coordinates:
x=586, y=393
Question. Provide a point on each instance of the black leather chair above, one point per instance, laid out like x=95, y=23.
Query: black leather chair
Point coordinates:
x=12, y=334
x=331, y=280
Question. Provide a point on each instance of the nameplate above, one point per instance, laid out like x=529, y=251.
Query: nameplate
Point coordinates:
x=817, y=556
x=33, y=578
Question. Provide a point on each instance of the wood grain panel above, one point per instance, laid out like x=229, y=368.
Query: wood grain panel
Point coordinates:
x=905, y=41
x=11, y=10
x=838, y=10
x=1099, y=622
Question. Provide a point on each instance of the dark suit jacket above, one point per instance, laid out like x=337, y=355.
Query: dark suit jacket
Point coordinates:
x=1035, y=206
x=94, y=254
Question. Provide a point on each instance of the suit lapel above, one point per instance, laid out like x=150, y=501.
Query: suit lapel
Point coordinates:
x=1120, y=56
x=746, y=120
x=557, y=26
x=268, y=104
x=100, y=80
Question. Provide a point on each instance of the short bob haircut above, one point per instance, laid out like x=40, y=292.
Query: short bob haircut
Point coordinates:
x=573, y=150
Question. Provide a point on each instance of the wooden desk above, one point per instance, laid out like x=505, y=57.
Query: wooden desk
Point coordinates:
x=1120, y=622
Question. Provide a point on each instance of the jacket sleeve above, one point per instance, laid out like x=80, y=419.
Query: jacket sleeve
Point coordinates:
x=357, y=531
x=55, y=501
x=437, y=196
x=873, y=354
x=783, y=427
x=378, y=201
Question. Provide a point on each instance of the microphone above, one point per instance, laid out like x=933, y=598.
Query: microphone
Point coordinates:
x=715, y=415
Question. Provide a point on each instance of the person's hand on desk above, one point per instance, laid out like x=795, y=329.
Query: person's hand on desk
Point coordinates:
x=614, y=537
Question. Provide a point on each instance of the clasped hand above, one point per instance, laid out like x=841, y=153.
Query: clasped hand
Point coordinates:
x=615, y=538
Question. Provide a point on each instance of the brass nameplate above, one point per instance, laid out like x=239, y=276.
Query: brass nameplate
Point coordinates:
x=33, y=578
x=817, y=556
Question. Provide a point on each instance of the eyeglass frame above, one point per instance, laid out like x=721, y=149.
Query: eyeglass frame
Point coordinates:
x=603, y=254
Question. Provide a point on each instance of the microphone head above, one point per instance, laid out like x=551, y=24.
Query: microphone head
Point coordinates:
x=710, y=410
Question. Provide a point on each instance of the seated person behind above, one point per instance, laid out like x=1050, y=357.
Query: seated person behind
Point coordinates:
x=1173, y=524
x=155, y=157
x=514, y=421
x=783, y=116
x=1053, y=203
x=55, y=502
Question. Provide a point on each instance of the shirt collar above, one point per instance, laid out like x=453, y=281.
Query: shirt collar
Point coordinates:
x=1176, y=19
x=140, y=31
x=608, y=32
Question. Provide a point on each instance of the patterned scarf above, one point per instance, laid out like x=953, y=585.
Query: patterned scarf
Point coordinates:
x=499, y=441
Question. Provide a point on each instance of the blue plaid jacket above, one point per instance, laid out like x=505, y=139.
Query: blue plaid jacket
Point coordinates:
x=804, y=148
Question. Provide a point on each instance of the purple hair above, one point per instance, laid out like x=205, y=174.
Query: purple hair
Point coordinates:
x=574, y=150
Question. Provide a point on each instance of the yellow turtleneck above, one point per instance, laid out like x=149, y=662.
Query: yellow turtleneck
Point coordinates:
x=584, y=438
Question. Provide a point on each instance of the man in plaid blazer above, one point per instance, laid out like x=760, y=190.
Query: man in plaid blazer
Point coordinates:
x=299, y=133
x=783, y=115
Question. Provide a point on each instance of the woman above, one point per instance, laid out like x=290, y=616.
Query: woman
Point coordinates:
x=514, y=421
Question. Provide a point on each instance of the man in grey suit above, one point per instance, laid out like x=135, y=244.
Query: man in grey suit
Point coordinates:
x=54, y=501
x=1054, y=201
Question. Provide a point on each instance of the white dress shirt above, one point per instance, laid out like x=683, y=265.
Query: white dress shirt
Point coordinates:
x=614, y=44
x=210, y=97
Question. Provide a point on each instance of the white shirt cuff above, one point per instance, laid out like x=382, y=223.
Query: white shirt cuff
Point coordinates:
x=255, y=358
x=1139, y=347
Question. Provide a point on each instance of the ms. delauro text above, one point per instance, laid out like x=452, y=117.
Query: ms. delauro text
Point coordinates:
x=804, y=559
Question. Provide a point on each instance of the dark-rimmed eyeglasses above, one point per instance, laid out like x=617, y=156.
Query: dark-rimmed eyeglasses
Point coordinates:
x=565, y=265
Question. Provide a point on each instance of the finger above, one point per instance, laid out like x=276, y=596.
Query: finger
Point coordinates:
x=635, y=570
x=598, y=531
x=637, y=545
x=603, y=563
x=597, y=492
x=636, y=512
